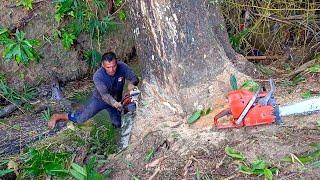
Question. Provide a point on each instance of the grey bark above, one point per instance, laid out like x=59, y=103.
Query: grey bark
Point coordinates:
x=184, y=51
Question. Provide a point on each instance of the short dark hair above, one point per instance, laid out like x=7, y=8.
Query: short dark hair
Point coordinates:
x=109, y=56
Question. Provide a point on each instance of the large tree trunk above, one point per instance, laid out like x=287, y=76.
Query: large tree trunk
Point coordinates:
x=184, y=52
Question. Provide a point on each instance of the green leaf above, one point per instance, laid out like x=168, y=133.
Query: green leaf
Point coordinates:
x=233, y=82
x=77, y=175
x=122, y=15
x=6, y=171
x=250, y=85
x=99, y=3
x=93, y=58
x=245, y=169
x=4, y=34
x=3, y=162
x=307, y=94
x=259, y=164
x=267, y=174
x=67, y=40
x=118, y=3
x=79, y=169
x=149, y=155
x=234, y=153
x=315, y=68
x=26, y=4
x=194, y=117
x=198, y=174
x=135, y=177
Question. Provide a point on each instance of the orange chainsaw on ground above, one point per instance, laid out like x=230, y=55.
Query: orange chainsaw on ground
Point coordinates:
x=250, y=109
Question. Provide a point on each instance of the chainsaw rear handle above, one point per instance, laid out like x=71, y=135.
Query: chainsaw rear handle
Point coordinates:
x=229, y=124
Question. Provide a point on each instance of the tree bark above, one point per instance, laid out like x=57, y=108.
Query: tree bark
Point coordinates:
x=184, y=52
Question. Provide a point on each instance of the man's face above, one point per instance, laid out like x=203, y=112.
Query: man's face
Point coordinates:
x=110, y=67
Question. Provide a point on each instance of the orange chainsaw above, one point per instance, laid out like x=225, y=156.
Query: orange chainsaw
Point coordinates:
x=250, y=109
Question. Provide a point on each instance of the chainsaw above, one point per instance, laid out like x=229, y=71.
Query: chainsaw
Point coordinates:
x=130, y=101
x=259, y=108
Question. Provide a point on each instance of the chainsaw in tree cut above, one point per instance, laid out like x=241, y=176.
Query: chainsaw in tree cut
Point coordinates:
x=252, y=109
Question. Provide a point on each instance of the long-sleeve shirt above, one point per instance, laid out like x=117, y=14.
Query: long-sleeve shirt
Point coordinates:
x=109, y=88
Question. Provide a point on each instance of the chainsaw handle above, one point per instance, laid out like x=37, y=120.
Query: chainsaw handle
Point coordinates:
x=221, y=114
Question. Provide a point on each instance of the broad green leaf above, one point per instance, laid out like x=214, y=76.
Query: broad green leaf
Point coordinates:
x=28, y=52
x=234, y=153
x=77, y=175
x=194, y=117
x=259, y=164
x=245, y=169
x=6, y=171
x=315, y=68
x=250, y=85
x=267, y=174
x=233, y=82
x=79, y=169
x=8, y=51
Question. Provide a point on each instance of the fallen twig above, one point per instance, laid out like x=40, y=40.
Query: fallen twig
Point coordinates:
x=261, y=57
x=15, y=104
x=221, y=162
x=157, y=170
x=300, y=69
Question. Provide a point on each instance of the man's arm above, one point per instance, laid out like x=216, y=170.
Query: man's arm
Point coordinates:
x=103, y=91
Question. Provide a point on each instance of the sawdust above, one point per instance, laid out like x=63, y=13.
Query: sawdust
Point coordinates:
x=199, y=147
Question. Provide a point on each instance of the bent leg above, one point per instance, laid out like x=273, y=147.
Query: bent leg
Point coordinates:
x=88, y=111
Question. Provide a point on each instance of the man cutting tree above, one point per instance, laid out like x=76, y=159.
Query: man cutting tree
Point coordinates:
x=109, y=81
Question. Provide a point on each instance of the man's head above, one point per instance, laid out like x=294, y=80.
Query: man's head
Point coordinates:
x=109, y=63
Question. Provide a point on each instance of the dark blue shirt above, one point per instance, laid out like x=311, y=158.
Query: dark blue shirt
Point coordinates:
x=109, y=88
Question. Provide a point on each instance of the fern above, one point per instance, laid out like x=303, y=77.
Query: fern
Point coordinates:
x=83, y=17
x=68, y=39
x=93, y=58
x=99, y=3
x=97, y=28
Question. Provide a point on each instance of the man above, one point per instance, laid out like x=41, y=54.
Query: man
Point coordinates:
x=109, y=80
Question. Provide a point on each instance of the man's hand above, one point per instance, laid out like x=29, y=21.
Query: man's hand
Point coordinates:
x=118, y=105
x=52, y=124
x=130, y=87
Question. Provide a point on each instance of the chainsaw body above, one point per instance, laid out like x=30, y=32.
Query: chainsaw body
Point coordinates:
x=260, y=111
x=130, y=101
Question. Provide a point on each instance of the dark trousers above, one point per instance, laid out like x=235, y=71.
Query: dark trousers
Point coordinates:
x=92, y=108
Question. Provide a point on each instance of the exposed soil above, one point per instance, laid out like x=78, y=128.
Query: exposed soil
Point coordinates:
x=180, y=150
x=184, y=149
